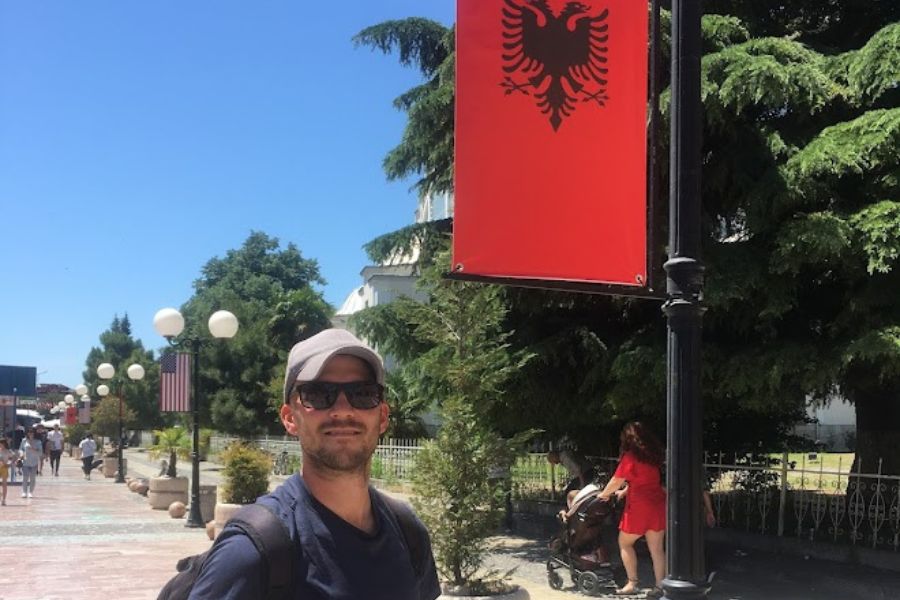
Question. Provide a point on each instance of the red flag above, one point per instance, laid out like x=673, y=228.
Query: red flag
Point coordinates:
x=551, y=110
x=175, y=382
x=71, y=415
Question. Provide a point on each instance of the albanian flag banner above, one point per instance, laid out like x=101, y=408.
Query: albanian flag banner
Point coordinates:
x=551, y=143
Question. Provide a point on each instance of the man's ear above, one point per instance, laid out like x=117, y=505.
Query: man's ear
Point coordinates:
x=287, y=419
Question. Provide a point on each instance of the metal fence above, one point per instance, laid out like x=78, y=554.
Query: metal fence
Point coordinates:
x=807, y=499
x=393, y=460
x=787, y=495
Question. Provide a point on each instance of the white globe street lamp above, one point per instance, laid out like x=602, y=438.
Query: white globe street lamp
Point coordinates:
x=169, y=323
x=107, y=371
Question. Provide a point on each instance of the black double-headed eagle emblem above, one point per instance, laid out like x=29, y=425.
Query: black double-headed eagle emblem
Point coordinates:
x=562, y=58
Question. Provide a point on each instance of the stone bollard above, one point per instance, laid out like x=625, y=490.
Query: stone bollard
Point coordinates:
x=177, y=510
x=142, y=487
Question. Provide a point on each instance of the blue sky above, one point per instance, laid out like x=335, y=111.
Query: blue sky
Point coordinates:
x=140, y=139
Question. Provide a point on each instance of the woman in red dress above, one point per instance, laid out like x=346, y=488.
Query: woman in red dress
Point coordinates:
x=641, y=456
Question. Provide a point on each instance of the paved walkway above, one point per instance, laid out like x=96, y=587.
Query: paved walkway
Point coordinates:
x=80, y=539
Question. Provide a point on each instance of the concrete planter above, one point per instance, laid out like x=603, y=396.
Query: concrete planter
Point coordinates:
x=517, y=594
x=164, y=491
x=111, y=465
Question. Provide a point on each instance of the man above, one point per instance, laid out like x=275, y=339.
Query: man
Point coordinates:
x=88, y=449
x=579, y=470
x=350, y=545
x=40, y=433
x=55, y=443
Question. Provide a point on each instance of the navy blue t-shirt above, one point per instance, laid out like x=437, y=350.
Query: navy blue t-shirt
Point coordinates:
x=336, y=560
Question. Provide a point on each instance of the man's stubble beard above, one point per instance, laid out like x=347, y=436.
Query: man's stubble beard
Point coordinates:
x=346, y=461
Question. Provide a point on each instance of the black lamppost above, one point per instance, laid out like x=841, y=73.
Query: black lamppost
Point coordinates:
x=106, y=372
x=169, y=323
x=685, y=577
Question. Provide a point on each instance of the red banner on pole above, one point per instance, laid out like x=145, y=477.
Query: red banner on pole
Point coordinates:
x=71, y=415
x=551, y=122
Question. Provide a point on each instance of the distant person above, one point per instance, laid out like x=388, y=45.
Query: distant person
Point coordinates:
x=709, y=518
x=17, y=437
x=30, y=451
x=7, y=461
x=641, y=456
x=40, y=434
x=88, y=449
x=579, y=470
x=55, y=445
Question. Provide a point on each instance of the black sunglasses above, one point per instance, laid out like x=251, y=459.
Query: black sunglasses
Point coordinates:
x=322, y=395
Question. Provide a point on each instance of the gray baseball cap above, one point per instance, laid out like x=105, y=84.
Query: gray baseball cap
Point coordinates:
x=308, y=358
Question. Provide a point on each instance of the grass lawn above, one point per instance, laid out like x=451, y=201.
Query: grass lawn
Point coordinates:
x=825, y=471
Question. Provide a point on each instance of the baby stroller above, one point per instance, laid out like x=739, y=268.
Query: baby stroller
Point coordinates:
x=579, y=547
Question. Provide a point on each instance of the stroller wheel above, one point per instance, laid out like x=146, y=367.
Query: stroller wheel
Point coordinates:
x=555, y=580
x=588, y=583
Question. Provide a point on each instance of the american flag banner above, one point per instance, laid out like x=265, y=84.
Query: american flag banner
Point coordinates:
x=175, y=382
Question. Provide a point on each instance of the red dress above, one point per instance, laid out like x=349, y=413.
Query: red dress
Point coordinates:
x=645, y=502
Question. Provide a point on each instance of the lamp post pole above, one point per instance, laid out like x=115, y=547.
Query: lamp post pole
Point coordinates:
x=195, y=519
x=685, y=577
x=134, y=372
x=120, y=472
x=169, y=323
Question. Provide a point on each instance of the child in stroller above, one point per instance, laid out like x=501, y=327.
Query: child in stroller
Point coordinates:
x=579, y=547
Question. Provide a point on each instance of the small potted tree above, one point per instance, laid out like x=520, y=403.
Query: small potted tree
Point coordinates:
x=246, y=478
x=173, y=443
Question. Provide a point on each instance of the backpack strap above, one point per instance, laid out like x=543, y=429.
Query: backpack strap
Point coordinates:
x=273, y=541
x=412, y=533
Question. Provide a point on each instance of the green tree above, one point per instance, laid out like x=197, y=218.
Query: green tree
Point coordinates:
x=426, y=150
x=464, y=370
x=270, y=290
x=406, y=406
x=105, y=417
x=119, y=348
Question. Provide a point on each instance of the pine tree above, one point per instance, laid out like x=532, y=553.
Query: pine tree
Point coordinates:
x=464, y=367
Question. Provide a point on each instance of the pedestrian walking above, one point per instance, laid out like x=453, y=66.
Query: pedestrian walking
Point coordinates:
x=30, y=452
x=40, y=434
x=7, y=461
x=348, y=541
x=88, y=449
x=641, y=456
x=17, y=437
x=55, y=445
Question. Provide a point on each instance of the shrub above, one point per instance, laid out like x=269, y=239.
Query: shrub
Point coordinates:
x=246, y=473
x=73, y=434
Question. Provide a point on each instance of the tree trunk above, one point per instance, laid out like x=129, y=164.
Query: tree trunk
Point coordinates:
x=877, y=404
x=172, y=471
x=877, y=428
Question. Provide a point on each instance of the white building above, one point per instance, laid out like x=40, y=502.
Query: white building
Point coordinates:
x=834, y=422
x=384, y=283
